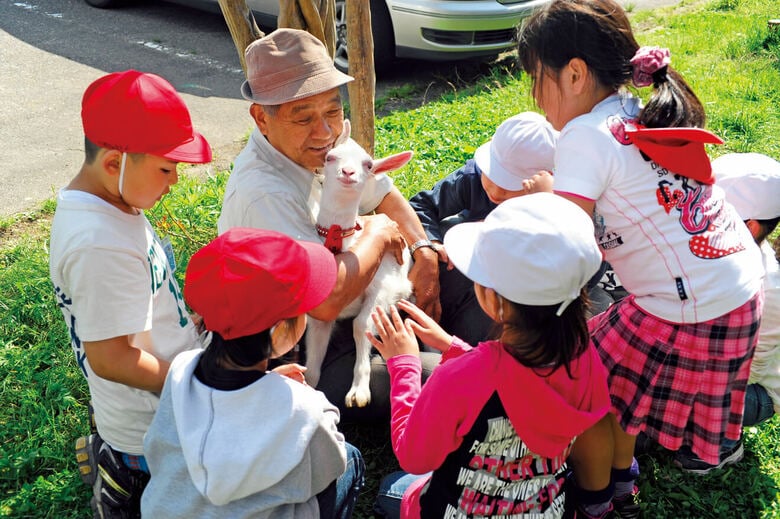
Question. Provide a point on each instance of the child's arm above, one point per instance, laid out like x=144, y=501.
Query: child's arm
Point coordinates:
x=425, y=422
x=117, y=360
x=428, y=330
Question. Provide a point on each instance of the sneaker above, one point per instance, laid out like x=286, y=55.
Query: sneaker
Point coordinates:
x=87, y=448
x=627, y=507
x=689, y=462
x=116, y=489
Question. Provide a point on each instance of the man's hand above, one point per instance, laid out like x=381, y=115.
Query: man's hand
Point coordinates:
x=381, y=224
x=424, y=276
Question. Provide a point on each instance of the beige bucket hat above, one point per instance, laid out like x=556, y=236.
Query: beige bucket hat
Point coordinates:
x=287, y=65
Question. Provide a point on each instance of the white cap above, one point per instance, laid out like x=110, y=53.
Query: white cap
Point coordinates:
x=521, y=146
x=537, y=250
x=751, y=182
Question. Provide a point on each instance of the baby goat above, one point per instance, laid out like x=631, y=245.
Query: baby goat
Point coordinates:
x=348, y=168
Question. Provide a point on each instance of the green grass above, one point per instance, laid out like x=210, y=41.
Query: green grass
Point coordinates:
x=723, y=48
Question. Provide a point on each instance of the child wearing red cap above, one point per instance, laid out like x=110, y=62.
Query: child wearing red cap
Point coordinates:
x=678, y=349
x=231, y=439
x=113, y=277
x=497, y=425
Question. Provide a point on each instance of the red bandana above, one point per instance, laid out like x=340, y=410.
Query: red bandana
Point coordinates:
x=680, y=150
x=334, y=237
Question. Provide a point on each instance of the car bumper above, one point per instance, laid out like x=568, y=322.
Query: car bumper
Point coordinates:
x=437, y=30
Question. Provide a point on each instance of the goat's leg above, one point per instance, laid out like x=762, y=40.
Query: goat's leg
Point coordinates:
x=317, y=338
x=359, y=394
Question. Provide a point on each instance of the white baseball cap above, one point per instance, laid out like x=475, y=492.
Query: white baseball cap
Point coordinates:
x=537, y=250
x=521, y=146
x=751, y=182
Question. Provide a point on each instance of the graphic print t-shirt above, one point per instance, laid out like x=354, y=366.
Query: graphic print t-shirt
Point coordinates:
x=493, y=474
x=675, y=243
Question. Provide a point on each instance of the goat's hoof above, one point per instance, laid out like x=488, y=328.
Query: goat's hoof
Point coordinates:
x=358, y=397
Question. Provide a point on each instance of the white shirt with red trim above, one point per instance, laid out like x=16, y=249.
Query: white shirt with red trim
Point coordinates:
x=676, y=244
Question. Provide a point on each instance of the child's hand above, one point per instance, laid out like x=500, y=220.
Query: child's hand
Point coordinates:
x=425, y=328
x=542, y=182
x=395, y=336
x=292, y=371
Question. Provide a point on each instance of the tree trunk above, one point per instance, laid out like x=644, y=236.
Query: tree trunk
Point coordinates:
x=318, y=18
x=242, y=25
x=360, y=49
x=315, y=16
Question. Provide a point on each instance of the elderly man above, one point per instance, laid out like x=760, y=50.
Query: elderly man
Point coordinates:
x=296, y=105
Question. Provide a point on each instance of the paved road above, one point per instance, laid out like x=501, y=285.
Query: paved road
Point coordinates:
x=50, y=50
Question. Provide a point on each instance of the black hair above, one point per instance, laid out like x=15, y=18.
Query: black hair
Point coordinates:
x=767, y=227
x=538, y=338
x=599, y=32
x=243, y=352
x=91, y=152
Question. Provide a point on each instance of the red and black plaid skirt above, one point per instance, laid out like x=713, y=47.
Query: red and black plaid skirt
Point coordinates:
x=682, y=384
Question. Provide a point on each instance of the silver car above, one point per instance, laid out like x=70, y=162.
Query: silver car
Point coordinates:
x=422, y=29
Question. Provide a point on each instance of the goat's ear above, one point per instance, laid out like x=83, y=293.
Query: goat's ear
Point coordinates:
x=391, y=163
x=345, y=131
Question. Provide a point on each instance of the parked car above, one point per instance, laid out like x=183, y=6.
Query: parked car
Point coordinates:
x=435, y=30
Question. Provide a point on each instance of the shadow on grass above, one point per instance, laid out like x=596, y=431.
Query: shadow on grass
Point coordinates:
x=744, y=490
x=373, y=440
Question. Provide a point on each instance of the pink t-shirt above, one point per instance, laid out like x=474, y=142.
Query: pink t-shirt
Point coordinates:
x=495, y=433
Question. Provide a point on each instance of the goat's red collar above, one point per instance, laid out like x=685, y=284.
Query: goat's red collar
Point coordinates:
x=334, y=236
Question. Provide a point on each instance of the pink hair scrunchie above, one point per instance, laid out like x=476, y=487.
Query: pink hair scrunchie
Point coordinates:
x=646, y=62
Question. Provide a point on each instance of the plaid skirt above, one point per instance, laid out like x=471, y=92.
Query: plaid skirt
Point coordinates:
x=682, y=384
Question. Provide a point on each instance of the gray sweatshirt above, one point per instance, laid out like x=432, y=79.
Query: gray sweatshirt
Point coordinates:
x=262, y=451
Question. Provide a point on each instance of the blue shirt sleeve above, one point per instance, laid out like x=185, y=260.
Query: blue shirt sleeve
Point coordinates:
x=458, y=197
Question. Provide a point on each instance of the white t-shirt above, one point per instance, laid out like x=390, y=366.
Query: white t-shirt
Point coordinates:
x=675, y=243
x=765, y=369
x=112, y=278
x=266, y=190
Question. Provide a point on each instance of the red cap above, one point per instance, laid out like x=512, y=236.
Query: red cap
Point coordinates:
x=136, y=112
x=247, y=280
x=680, y=150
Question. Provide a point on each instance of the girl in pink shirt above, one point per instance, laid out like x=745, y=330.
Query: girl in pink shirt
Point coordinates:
x=493, y=429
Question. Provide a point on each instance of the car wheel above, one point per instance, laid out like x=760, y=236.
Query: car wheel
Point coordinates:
x=381, y=29
x=104, y=4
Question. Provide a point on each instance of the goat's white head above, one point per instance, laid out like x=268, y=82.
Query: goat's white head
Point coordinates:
x=350, y=165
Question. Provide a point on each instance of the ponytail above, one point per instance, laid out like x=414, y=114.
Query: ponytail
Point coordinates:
x=672, y=103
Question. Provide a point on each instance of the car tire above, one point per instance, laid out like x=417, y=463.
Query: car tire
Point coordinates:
x=382, y=32
x=104, y=4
